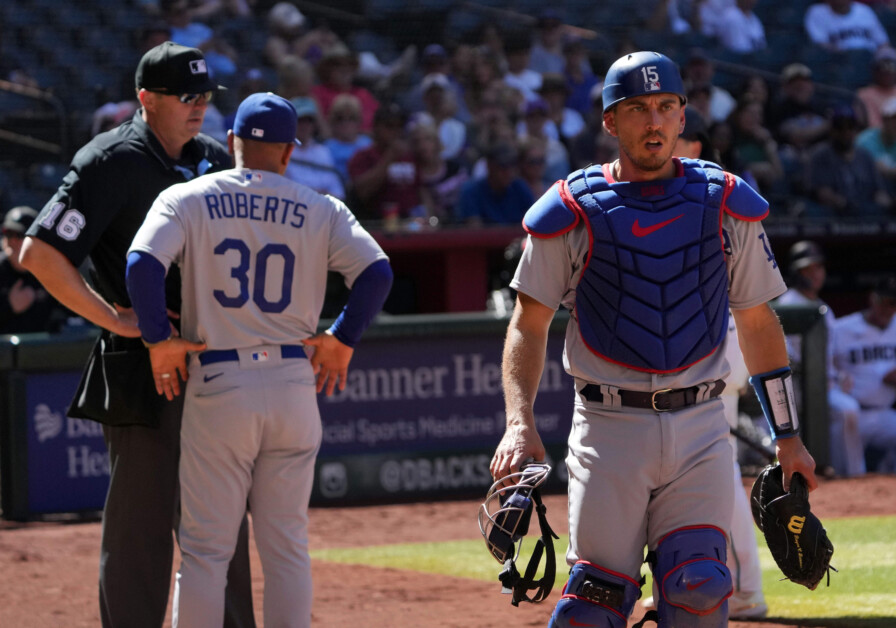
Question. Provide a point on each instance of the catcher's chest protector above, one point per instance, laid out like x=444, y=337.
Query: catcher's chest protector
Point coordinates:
x=654, y=292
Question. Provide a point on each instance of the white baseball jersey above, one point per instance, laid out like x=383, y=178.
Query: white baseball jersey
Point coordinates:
x=867, y=353
x=260, y=248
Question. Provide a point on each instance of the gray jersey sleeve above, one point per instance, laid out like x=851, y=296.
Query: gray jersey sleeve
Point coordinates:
x=753, y=274
x=352, y=248
x=162, y=233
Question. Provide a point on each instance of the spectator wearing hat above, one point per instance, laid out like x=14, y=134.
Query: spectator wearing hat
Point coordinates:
x=797, y=119
x=862, y=346
x=439, y=106
x=100, y=204
x=839, y=25
x=535, y=124
x=842, y=177
x=336, y=73
x=25, y=306
x=880, y=142
x=289, y=33
x=346, y=138
x=740, y=29
x=564, y=124
x=882, y=87
x=502, y=197
x=517, y=50
x=311, y=163
x=384, y=175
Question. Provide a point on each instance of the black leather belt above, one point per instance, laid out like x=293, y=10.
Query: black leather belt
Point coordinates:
x=664, y=400
x=232, y=355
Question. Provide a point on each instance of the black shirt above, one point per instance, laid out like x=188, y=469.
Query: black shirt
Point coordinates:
x=111, y=184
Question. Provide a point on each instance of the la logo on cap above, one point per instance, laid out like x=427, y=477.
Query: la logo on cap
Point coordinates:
x=197, y=66
x=257, y=132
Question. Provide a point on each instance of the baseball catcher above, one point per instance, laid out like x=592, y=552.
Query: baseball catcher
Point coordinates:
x=504, y=520
x=797, y=540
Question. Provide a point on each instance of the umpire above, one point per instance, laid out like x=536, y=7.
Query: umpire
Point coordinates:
x=94, y=214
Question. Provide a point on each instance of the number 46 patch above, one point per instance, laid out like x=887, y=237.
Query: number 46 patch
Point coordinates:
x=71, y=224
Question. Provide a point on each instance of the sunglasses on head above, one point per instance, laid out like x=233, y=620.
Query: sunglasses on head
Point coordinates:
x=187, y=99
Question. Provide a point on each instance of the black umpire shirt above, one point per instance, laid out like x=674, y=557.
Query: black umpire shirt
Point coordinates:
x=111, y=184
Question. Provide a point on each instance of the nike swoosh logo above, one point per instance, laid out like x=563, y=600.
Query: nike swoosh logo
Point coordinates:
x=640, y=231
x=208, y=378
x=574, y=622
x=696, y=585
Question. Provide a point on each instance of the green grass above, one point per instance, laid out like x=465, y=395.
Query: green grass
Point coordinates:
x=861, y=594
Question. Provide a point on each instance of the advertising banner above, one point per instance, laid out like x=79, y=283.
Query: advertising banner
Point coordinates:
x=68, y=466
x=421, y=418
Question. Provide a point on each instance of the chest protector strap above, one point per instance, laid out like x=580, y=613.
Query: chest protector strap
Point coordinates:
x=654, y=292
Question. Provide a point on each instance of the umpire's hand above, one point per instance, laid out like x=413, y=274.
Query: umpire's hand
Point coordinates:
x=169, y=360
x=329, y=360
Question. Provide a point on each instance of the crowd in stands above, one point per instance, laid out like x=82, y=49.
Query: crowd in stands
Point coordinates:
x=476, y=124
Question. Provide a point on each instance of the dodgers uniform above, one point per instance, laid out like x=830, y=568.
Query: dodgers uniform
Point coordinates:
x=868, y=353
x=254, y=249
x=636, y=475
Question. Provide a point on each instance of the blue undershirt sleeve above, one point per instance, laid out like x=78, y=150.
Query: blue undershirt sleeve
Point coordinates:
x=365, y=300
x=145, y=279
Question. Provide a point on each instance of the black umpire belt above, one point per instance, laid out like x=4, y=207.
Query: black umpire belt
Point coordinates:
x=232, y=355
x=665, y=400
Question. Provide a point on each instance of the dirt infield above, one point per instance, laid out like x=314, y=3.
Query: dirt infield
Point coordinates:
x=48, y=571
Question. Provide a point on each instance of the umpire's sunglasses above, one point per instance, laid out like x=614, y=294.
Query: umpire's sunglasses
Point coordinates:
x=187, y=99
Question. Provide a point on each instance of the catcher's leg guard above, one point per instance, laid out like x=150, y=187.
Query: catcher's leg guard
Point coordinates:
x=694, y=583
x=594, y=596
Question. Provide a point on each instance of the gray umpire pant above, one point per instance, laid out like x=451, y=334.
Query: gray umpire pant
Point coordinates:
x=141, y=511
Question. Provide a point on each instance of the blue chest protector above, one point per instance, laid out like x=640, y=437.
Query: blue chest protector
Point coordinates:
x=654, y=292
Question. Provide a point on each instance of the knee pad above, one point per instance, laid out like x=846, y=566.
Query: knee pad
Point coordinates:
x=694, y=583
x=594, y=596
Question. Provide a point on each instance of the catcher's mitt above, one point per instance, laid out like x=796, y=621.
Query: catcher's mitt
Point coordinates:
x=797, y=540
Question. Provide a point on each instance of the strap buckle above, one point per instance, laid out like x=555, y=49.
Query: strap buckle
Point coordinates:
x=653, y=400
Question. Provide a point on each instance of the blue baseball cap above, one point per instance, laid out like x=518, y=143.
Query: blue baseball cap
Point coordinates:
x=266, y=117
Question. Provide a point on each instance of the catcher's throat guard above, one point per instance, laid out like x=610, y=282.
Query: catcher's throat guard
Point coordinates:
x=504, y=520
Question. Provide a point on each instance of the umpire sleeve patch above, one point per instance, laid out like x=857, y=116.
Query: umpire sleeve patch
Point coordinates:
x=741, y=201
x=553, y=214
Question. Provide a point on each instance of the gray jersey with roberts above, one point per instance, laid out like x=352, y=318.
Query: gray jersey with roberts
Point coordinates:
x=260, y=246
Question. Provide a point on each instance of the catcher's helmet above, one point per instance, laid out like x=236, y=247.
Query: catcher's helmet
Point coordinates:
x=641, y=73
x=803, y=253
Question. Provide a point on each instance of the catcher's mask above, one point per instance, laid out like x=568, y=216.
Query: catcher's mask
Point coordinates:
x=504, y=521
